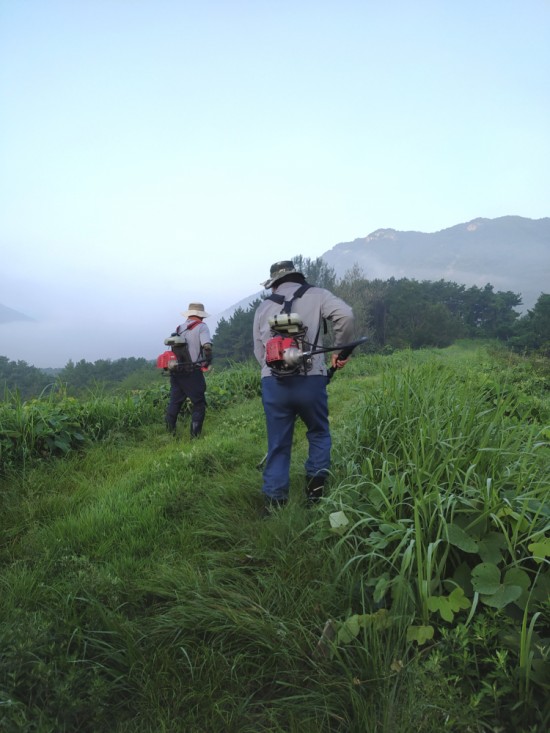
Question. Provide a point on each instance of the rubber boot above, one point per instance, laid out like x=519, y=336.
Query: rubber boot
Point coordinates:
x=271, y=506
x=196, y=428
x=314, y=488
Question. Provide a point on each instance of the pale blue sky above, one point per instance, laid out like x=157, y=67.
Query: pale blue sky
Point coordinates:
x=155, y=152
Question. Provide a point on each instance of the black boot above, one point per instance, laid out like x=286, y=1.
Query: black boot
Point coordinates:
x=196, y=428
x=314, y=488
x=271, y=506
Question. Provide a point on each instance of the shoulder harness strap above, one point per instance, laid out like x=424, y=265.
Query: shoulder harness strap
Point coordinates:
x=287, y=304
x=190, y=327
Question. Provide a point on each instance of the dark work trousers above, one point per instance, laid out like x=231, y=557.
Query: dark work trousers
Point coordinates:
x=283, y=400
x=183, y=385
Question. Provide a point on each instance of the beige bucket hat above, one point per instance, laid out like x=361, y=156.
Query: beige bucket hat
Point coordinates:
x=195, y=309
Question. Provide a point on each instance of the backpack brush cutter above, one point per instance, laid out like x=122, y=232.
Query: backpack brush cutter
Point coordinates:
x=177, y=358
x=285, y=355
x=293, y=356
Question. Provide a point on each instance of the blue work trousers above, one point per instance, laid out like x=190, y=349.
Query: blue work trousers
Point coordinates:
x=284, y=400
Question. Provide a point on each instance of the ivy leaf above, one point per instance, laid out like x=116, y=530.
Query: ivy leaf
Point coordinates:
x=448, y=605
x=379, y=619
x=541, y=672
x=463, y=577
x=348, y=630
x=378, y=540
x=338, y=522
x=63, y=445
x=376, y=496
x=540, y=549
x=493, y=592
x=504, y=595
x=458, y=600
x=541, y=589
x=539, y=507
x=390, y=528
x=490, y=546
x=381, y=587
x=520, y=520
x=420, y=634
x=517, y=576
x=407, y=557
x=461, y=539
x=397, y=665
x=486, y=578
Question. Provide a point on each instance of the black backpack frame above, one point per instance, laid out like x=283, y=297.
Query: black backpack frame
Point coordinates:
x=185, y=365
x=300, y=336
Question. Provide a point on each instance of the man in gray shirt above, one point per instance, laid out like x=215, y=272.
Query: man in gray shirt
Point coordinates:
x=192, y=344
x=294, y=385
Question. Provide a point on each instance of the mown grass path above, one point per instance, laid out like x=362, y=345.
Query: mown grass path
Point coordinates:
x=141, y=591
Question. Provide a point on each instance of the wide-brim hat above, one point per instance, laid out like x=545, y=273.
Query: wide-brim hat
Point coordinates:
x=195, y=309
x=278, y=270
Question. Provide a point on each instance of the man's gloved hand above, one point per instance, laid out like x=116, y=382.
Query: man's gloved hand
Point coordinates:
x=336, y=362
x=207, y=353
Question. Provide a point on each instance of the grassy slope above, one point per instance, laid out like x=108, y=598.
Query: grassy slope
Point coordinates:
x=141, y=592
x=143, y=567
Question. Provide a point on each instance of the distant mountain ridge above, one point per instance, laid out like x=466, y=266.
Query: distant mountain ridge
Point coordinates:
x=510, y=252
x=245, y=304
x=9, y=315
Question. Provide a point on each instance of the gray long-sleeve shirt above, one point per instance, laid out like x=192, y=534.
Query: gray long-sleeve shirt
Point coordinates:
x=313, y=306
x=196, y=337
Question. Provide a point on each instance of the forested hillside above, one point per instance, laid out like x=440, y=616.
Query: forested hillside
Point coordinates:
x=394, y=314
x=404, y=313
x=76, y=379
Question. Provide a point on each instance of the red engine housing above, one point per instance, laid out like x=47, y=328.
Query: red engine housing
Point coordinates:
x=165, y=358
x=275, y=348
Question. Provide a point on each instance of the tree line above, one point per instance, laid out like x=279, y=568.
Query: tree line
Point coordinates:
x=75, y=378
x=404, y=313
x=394, y=314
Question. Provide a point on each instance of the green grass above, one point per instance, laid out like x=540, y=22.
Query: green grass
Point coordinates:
x=141, y=592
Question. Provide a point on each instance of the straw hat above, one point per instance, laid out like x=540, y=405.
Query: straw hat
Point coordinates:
x=195, y=309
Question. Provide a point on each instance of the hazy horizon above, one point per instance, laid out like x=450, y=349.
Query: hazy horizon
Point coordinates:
x=158, y=153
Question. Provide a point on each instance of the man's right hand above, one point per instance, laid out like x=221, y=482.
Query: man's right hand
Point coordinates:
x=336, y=362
